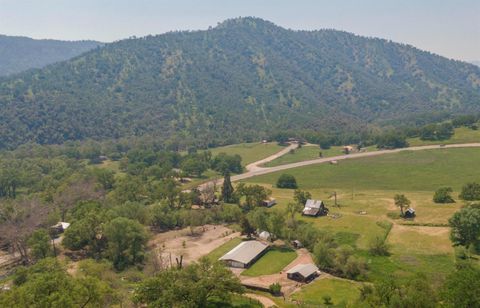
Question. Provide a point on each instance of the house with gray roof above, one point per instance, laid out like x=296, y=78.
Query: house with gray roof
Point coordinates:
x=244, y=254
x=303, y=272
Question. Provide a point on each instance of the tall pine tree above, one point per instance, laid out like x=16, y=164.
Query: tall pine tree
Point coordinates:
x=227, y=189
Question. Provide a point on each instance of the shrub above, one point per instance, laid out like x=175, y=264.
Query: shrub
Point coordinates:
x=275, y=288
x=379, y=247
x=470, y=192
x=287, y=181
x=443, y=195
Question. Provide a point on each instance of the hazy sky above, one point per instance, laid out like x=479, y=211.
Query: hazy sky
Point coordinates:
x=448, y=27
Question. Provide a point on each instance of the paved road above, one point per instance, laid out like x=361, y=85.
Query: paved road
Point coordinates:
x=257, y=170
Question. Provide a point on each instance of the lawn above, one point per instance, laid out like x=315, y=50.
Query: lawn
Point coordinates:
x=462, y=135
x=250, y=152
x=272, y=262
x=340, y=291
x=412, y=171
x=218, y=252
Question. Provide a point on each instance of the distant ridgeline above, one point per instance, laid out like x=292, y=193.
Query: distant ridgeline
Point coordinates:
x=18, y=54
x=242, y=80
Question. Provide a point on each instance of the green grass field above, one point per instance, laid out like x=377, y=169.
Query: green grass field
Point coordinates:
x=340, y=291
x=416, y=171
x=272, y=262
x=365, y=188
x=250, y=152
x=309, y=153
x=462, y=135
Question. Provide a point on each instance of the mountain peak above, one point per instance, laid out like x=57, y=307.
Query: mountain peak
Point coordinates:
x=249, y=21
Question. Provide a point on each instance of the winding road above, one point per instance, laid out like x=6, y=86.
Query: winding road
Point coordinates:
x=255, y=169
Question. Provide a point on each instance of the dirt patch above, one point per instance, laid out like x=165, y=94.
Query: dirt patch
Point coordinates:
x=173, y=244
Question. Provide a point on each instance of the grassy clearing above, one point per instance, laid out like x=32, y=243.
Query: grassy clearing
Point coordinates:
x=420, y=240
x=462, y=135
x=368, y=185
x=215, y=254
x=237, y=301
x=413, y=171
x=250, y=152
x=272, y=262
x=309, y=153
x=340, y=291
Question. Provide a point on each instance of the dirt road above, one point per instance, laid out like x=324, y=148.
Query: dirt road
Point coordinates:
x=257, y=170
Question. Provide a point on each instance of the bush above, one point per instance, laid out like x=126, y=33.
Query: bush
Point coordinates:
x=443, y=195
x=379, y=247
x=470, y=192
x=275, y=288
x=287, y=181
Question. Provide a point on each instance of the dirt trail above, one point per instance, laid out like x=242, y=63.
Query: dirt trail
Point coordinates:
x=265, y=170
x=255, y=168
x=266, y=302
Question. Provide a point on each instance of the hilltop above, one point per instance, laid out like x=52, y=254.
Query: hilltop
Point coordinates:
x=239, y=81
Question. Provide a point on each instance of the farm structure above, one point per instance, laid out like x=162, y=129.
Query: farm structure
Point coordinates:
x=314, y=208
x=244, y=254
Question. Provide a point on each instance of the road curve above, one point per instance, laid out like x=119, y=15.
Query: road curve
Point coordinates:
x=259, y=170
x=254, y=169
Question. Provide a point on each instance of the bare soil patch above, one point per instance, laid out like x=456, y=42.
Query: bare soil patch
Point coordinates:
x=174, y=244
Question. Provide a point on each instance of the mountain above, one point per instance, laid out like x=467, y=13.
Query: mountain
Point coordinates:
x=477, y=63
x=18, y=54
x=237, y=81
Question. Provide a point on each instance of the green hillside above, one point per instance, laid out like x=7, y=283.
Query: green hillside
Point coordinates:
x=18, y=54
x=237, y=82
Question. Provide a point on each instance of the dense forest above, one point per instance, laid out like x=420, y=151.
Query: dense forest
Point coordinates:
x=18, y=54
x=242, y=80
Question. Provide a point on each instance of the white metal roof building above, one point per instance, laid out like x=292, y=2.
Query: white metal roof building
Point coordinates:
x=244, y=254
x=303, y=272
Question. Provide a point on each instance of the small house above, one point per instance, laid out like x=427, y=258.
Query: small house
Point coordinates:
x=297, y=244
x=244, y=254
x=59, y=228
x=314, y=208
x=269, y=202
x=303, y=272
x=409, y=213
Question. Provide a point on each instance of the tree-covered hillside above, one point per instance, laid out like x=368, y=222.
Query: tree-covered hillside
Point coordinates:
x=18, y=54
x=243, y=79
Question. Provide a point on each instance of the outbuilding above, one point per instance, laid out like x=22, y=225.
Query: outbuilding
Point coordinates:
x=244, y=254
x=303, y=272
x=269, y=202
x=409, y=213
x=314, y=208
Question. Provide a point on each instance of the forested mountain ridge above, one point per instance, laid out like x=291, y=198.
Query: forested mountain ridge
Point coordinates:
x=237, y=81
x=18, y=54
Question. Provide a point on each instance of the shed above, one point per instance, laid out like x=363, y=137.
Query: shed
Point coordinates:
x=244, y=254
x=265, y=235
x=409, y=213
x=58, y=228
x=303, y=272
x=269, y=202
x=314, y=208
x=297, y=244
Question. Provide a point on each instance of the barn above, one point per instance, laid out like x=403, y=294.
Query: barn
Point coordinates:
x=244, y=254
x=303, y=272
